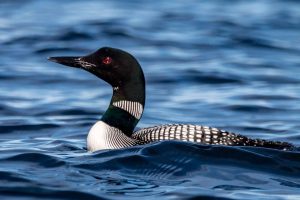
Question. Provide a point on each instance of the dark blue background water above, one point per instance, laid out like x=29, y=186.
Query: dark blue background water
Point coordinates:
x=234, y=65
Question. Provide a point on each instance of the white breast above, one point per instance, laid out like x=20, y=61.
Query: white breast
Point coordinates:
x=103, y=136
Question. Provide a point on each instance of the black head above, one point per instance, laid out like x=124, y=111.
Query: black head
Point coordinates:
x=114, y=66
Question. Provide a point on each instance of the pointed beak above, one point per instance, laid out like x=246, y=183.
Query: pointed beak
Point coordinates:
x=68, y=61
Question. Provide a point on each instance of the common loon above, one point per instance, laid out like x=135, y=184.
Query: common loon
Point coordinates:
x=116, y=128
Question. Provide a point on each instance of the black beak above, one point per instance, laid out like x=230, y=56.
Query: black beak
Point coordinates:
x=68, y=61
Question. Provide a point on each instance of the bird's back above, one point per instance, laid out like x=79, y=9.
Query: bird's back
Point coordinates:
x=203, y=135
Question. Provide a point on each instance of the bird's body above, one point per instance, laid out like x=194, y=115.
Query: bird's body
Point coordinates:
x=116, y=128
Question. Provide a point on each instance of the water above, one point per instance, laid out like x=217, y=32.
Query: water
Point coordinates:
x=232, y=65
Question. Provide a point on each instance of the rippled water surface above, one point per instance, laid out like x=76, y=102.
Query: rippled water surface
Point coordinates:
x=234, y=65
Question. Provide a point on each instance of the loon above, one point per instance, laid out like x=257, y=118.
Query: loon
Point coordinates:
x=116, y=128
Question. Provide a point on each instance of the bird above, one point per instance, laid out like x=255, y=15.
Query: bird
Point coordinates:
x=116, y=128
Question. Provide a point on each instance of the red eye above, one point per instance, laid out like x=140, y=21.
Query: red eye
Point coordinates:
x=107, y=60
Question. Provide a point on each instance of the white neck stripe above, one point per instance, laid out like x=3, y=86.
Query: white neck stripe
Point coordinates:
x=134, y=108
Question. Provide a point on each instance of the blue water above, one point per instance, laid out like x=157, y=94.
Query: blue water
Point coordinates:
x=234, y=65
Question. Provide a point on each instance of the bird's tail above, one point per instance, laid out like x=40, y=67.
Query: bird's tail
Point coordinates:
x=245, y=141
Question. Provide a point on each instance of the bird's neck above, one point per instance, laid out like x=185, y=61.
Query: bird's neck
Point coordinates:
x=126, y=106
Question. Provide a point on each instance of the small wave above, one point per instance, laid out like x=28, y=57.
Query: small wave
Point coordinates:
x=68, y=112
x=253, y=108
x=26, y=127
x=14, y=177
x=41, y=159
x=53, y=49
x=259, y=43
x=46, y=193
x=71, y=35
x=26, y=39
x=265, y=97
x=196, y=77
